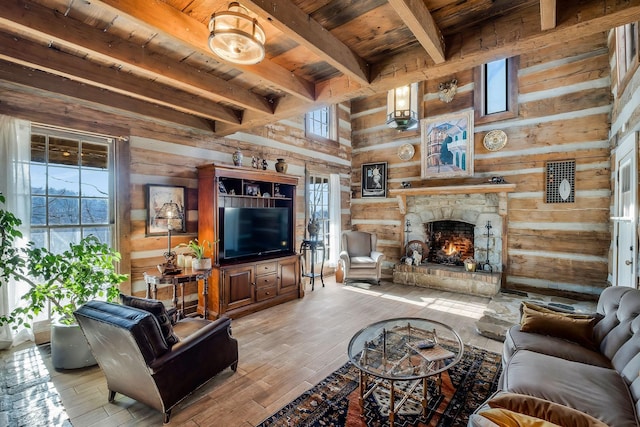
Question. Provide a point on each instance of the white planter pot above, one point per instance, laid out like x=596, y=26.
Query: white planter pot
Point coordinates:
x=201, y=264
x=69, y=347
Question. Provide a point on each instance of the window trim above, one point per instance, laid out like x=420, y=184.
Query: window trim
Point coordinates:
x=325, y=235
x=630, y=67
x=479, y=93
x=332, y=125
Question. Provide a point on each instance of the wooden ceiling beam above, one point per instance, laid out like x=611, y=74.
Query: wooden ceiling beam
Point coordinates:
x=547, y=14
x=418, y=19
x=157, y=15
x=306, y=31
x=32, y=81
x=494, y=40
x=27, y=17
x=52, y=60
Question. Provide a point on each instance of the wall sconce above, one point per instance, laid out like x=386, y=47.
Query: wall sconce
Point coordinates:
x=402, y=107
x=235, y=36
x=171, y=212
x=447, y=90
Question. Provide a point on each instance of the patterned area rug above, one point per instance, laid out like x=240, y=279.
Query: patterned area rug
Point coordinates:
x=334, y=401
x=27, y=394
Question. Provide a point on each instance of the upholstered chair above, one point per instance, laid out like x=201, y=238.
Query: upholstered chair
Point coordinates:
x=146, y=357
x=359, y=258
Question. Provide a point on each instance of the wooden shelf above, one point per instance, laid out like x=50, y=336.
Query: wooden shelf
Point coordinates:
x=402, y=193
x=454, y=189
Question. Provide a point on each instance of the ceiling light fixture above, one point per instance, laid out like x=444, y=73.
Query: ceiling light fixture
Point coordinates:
x=235, y=36
x=402, y=107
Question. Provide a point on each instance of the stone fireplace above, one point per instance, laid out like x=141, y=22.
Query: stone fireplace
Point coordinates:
x=456, y=223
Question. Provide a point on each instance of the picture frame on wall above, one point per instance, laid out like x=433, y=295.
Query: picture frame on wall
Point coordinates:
x=157, y=196
x=447, y=145
x=374, y=179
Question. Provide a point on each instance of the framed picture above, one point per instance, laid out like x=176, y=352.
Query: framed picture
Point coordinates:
x=447, y=145
x=251, y=189
x=157, y=196
x=374, y=179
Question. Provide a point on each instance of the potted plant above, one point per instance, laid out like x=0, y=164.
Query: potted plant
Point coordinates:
x=199, y=253
x=62, y=281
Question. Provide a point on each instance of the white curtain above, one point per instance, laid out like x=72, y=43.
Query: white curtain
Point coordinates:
x=15, y=154
x=335, y=216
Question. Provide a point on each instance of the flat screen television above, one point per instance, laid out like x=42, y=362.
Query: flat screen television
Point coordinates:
x=254, y=232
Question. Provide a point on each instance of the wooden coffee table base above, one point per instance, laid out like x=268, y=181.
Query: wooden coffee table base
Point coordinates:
x=366, y=391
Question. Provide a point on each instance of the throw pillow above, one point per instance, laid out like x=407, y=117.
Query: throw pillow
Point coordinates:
x=507, y=418
x=544, y=409
x=156, y=308
x=572, y=327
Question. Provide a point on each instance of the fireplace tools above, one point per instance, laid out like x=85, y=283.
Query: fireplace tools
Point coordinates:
x=487, y=266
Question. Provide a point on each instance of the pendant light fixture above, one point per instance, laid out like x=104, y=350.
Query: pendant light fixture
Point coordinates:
x=235, y=36
x=402, y=107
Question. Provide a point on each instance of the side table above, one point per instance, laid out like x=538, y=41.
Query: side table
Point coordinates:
x=178, y=280
x=312, y=246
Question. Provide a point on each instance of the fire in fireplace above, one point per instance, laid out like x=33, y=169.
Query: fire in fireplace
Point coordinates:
x=450, y=242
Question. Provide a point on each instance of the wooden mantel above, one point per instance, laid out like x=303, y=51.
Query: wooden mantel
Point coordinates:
x=402, y=193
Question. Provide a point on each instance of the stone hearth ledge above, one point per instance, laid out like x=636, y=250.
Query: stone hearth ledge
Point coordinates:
x=448, y=278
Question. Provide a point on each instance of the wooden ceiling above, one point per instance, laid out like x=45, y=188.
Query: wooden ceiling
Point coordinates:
x=151, y=57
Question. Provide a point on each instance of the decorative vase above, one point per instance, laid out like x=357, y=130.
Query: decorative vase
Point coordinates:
x=281, y=166
x=313, y=227
x=201, y=263
x=237, y=158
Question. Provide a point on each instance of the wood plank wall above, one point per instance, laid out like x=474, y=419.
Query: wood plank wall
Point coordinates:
x=564, y=109
x=159, y=153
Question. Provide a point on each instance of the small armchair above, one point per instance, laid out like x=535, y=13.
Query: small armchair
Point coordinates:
x=359, y=257
x=153, y=363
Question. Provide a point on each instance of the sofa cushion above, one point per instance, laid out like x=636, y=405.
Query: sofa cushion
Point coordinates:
x=597, y=391
x=543, y=409
x=516, y=340
x=506, y=418
x=363, y=262
x=573, y=327
x=156, y=308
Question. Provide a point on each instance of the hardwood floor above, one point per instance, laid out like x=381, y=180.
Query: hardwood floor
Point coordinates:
x=284, y=351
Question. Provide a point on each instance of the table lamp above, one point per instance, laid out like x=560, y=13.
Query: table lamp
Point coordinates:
x=171, y=212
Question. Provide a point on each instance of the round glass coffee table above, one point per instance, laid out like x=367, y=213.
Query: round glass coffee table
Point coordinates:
x=405, y=349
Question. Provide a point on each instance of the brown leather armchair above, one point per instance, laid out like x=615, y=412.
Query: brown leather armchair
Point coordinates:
x=359, y=257
x=139, y=362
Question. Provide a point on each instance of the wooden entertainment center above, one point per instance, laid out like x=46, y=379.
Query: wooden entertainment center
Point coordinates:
x=241, y=285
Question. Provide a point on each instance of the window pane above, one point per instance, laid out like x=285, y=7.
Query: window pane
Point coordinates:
x=94, y=156
x=63, y=151
x=62, y=237
x=496, y=86
x=63, y=210
x=39, y=237
x=95, y=183
x=38, y=175
x=38, y=148
x=64, y=181
x=95, y=211
x=102, y=233
x=38, y=211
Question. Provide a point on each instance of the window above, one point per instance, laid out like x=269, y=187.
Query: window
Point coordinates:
x=71, y=188
x=318, y=208
x=322, y=124
x=496, y=90
x=626, y=53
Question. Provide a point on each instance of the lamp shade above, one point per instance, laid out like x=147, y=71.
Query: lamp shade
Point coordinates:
x=235, y=36
x=402, y=107
x=171, y=212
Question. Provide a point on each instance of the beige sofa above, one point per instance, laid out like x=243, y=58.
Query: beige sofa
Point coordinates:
x=571, y=370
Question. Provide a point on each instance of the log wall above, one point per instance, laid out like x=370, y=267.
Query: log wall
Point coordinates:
x=564, y=110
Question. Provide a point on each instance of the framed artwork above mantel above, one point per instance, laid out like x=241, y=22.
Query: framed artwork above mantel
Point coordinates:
x=447, y=145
